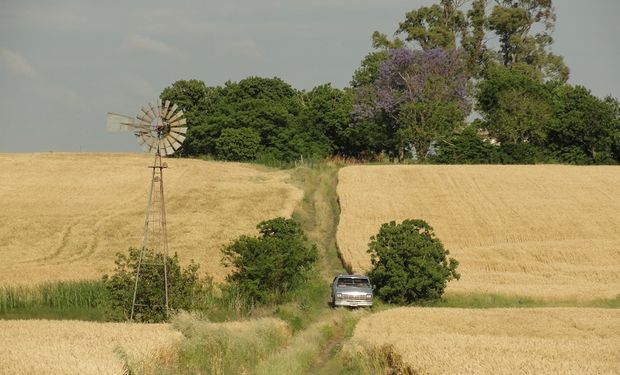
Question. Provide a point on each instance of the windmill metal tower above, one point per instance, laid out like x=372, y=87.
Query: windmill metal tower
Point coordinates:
x=161, y=130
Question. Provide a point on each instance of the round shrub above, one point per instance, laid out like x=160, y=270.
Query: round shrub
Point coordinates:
x=266, y=268
x=409, y=263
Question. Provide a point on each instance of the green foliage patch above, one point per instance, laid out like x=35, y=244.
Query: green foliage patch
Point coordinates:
x=54, y=300
x=186, y=290
x=266, y=268
x=409, y=263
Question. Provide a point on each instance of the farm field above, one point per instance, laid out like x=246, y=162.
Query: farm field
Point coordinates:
x=65, y=215
x=498, y=341
x=74, y=347
x=543, y=231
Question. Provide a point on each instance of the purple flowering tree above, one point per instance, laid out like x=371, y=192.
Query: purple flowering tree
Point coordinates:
x=419, y=96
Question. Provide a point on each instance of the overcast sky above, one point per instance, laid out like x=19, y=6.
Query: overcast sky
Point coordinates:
x=65, y=63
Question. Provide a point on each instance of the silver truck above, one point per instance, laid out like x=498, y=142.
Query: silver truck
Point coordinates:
x=351, y=290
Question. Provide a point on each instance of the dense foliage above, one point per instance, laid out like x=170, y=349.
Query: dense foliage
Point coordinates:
x=240, y=144
x=185, y=288
x=266, y=268
x=409, y=263
x=412, y=95
x=421, y=97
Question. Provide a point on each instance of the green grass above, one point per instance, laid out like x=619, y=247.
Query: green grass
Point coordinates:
x=213, y=349
x=485, y=301
x=309, y=348
x=55, y=300
x=319, y=212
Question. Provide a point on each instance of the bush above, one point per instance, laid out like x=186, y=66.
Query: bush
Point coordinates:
x=185, y=288
x=522, y=153
x=267, y=267
x=237, y=144
x=409, y=263
x=467, y=148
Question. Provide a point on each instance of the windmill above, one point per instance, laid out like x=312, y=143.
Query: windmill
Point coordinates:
x=161, y=130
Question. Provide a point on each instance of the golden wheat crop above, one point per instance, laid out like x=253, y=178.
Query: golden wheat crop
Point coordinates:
x=541, y=231
x=499, y=341
x=65, y=215
x=74, y=347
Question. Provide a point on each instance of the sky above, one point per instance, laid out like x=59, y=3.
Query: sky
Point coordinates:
x=65, y=63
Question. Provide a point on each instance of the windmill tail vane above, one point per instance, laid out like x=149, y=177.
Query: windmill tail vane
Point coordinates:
x=160, y=129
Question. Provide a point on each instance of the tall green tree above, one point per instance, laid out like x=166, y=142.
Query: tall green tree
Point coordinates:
x=448, y=26
x=327, y=114
x=268, y=106
x=420, y=97
x=473, y=40
x=194, y=98
x=369, y=67
x=584, y=121
x=436, y=26
x=515, y=105
x=524, y=28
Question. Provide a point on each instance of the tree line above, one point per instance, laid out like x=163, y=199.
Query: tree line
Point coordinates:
x=436, y=91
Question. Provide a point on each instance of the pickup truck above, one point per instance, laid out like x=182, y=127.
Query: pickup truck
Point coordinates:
x=351, y=290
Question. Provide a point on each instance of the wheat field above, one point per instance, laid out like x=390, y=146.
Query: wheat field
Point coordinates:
x=544, y=231
x=72, y=347
x=65, y=215
x=498, y=341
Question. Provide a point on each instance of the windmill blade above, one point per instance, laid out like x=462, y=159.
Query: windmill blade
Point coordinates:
x=167, y=147
x=119, y=123
x=154, y=110
x=178, y=137
x=142, y=142
x=179, y=122
x=147, y=143
x=144, y=118
x=164, y=112
x=176, y=116
x=148, y=114
x=144, y=125
x=182, y=130
x=141, y=133
x=171, y=112
x=175, y=144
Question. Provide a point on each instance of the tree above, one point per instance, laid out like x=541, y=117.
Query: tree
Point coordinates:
x=193, y=97
x=513, y=21
x=466, y=147
x=327, y=114
x=185, y=288
x=267, y=267
x=237, y=144
x=583, y=121
x=473, y=40
x=436, y=26
x=269, y=106
x=515, y=105
x=420, y=96
x=614, y=104
x=409, y=263
x=367, y=72
x=447, y=26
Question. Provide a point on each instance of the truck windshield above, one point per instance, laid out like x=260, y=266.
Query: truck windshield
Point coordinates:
x=353, y=282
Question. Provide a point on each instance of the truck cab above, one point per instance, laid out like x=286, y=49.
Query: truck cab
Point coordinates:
x=352, y=290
